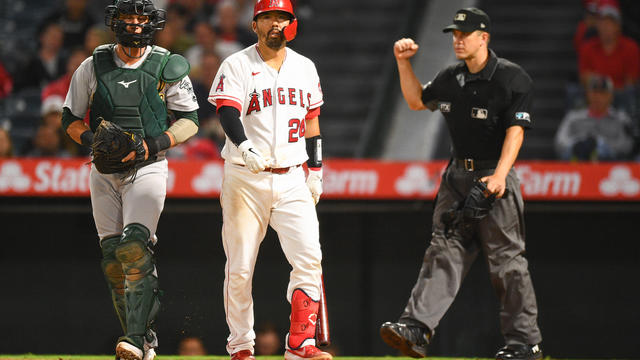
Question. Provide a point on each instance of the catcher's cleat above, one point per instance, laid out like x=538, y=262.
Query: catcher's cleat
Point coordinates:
x=519, y=352
x=308, y=352
x=410, y=340
x=126, y=351
x=243, y=355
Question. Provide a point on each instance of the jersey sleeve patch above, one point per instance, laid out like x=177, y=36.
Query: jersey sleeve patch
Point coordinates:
x=220, y=86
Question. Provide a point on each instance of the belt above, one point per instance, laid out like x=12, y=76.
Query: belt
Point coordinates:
x=282, y=170
x=474, y=165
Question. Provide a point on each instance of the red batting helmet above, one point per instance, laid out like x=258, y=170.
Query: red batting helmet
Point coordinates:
x=278, y=5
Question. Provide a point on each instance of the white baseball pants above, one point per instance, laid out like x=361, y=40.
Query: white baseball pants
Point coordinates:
x=250, y=202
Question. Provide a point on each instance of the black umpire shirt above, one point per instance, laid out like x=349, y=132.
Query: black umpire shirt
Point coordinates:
x=480, y=107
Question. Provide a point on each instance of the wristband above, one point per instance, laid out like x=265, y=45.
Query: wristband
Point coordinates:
x=314, y=150
x=158, y=143
x=86, y=138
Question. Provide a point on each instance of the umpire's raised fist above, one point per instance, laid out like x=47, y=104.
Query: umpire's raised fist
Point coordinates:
x=405, y=48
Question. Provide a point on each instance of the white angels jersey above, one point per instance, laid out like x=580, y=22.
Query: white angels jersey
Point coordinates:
x=273, y=105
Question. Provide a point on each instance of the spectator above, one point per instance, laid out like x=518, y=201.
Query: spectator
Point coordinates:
x=47, y=143
x=228, y=27
x=268, y=340
x=95, y=37
x=167, y=38
x=55, y=92
x=245, y=12
x=195, y=11
x=6, y=82
x=6, y=147
x=53, y=96
x=598, y=132
x=205, y=37
x=612, y=54
x=207, y=68
x=207, y=143
x=175, y=38
x=52, y=116
x=210, y=127
x=586, y=28
x=47, y=64
x=75, y=21
x=191, y=346
x=207, y=41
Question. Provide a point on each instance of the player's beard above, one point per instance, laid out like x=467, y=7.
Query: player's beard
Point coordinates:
x=276, y=43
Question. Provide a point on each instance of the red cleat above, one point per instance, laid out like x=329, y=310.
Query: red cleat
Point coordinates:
x=308, y=352
x=243, y=355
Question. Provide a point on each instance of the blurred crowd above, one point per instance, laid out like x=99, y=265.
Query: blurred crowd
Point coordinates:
x=603, y=117
x=603, y=103
x=204, y=31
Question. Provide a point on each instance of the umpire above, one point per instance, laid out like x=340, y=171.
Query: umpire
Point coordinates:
x=485, y=101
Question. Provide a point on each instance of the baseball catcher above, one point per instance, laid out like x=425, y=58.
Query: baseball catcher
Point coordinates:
x=140, y=102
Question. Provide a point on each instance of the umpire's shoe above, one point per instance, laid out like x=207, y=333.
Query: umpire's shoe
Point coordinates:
x=519, y=352
x=410, y=340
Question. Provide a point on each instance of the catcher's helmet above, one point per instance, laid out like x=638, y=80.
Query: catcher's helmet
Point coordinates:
x=157, y=18
x=278, y=5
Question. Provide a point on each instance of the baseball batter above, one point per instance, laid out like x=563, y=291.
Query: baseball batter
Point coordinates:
x=269, y=97
x=132, y=84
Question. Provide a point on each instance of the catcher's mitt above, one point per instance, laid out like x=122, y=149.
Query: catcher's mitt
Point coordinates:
x=478, y=203
x=464, y=215
x=111, y=144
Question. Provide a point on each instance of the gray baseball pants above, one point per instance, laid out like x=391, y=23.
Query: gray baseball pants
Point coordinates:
x=447, y=260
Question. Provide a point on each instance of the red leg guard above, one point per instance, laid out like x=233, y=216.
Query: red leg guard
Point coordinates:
x=304, y=313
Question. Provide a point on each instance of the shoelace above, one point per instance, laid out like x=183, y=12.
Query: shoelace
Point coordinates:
x=420, y=335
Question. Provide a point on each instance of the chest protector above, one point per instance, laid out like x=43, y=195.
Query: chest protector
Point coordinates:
x=131, y=98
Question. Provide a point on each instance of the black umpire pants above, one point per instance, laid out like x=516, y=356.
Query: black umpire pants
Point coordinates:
x=500, y=236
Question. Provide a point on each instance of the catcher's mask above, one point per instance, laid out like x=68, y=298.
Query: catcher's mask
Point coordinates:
x=262, y=6
x=157, y=19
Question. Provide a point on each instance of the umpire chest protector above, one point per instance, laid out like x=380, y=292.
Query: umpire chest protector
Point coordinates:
x=134, y=98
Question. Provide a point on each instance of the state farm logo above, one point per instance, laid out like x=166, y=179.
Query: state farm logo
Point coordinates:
x=209, y=180
x=620, y=181
x=54, y=176
x=416, y=179
x=548, y=182
x=47, y=176
x=12, y=177
x=349, y=181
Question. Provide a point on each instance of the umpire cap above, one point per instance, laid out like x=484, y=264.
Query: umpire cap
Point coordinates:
x=469, y=20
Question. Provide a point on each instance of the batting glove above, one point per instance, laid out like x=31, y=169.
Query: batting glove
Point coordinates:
x=314, y=183
x=251, y=156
